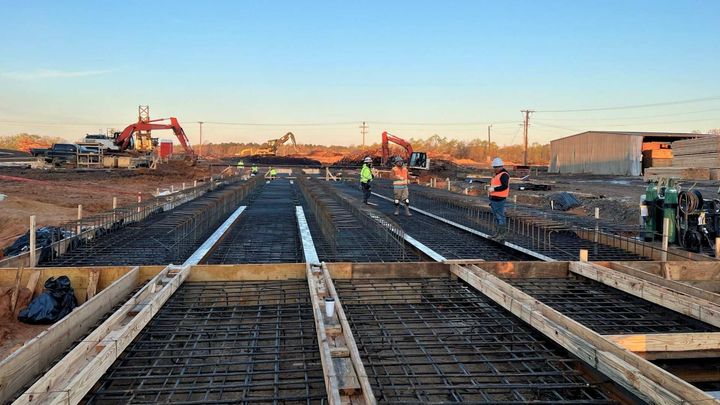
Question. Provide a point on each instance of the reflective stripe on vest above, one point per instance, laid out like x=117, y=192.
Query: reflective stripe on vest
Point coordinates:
x=495, y=182
x=400, y=172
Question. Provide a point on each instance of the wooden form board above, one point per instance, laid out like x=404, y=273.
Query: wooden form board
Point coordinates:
x=36, y=355
x=656, y=346
x=345, y=377
x=636, y=374
x=677, y=172
x=647, y=249
x=697, y=146
x=700, y=309
x=73, y=377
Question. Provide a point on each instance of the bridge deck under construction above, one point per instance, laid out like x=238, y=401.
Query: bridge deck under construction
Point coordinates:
x=425, y=309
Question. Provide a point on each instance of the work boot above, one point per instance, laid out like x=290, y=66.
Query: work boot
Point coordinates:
x=502, y=233
x=397, y=210
x=407, y=211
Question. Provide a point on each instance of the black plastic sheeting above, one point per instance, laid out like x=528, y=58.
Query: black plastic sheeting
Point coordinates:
x=45, y=236
x=564, y=201
x=53, y=304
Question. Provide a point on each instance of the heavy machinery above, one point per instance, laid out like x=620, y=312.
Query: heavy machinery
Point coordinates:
x=416, y=160
x=144, y=144
x=693, y=221
x=270, y=147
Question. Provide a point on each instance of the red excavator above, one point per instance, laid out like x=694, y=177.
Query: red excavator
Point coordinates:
x=416, y=160
x=124, y=139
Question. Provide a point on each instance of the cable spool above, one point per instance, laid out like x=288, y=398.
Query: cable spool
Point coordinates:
x=689, y=202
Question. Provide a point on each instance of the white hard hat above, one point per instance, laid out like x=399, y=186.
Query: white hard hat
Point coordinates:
x=367, y=159
x=497, y=162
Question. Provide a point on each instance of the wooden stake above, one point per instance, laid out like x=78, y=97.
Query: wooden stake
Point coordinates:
x=448, y=182
x=114, y=203
x=583, y=255
x=717, y=247
x=33, y=242
x=194, y=183
x=183, y=185
x=79, y=225
x=665, y=239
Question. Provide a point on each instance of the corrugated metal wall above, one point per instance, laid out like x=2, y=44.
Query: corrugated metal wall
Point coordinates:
x=597, y=153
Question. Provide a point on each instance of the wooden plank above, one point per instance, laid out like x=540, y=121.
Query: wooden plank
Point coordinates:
x=93, y=278
x=637, y=375
x=257, y=272
x=16, y=289
x=329, y=373
x=670, y=345
x=80, y=369
x=367, y=393
x=33, y=280
x=685, y=173
x=705, y=271
x=677, y=286
x=33, y=357
x=677, y=301
x=522, y=269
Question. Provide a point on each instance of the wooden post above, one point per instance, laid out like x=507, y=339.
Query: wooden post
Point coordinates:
x=157, y=192
x=172, y=188
x=33, y=242
x=448, y=182
x=139, y=201
x=552, y=205
x=114, y=203
x=583, y=255
x=597, y=224
x=194, y=183
x=665, y=239
x=717, y=247
x=183, y=185
x=79, y=226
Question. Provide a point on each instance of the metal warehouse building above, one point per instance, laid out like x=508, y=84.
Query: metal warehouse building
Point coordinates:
x=606, y=152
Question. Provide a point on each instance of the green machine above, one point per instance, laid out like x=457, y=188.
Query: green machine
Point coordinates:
x=659, y=201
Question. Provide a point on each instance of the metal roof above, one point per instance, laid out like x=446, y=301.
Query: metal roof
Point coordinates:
x=636, y=133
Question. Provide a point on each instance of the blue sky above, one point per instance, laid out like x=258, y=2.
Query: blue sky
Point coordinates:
x=413, y=68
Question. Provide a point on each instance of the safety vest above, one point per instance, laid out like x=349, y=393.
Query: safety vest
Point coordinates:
x=400, y=176
x=495, y=182
x=365, y=174
x=241, y=164
x=273, y=172
x=254, y=169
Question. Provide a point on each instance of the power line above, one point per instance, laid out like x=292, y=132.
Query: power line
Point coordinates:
x=628, y=107
x=630, y=118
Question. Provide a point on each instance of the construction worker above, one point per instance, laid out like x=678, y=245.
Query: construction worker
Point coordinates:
x=254, y=170
x=273, y=173
x=400, y=186
x=498, y=192
x=240, y=166
x=366, y=177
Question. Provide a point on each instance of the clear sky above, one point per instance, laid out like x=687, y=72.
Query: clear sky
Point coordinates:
x=413, y=68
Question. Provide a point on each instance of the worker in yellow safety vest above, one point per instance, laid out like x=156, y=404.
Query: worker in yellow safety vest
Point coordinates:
x=498, y=192
x=240, y=166
x=366, y=177
x=273, y=173
x=401, y=185
x=254, y=170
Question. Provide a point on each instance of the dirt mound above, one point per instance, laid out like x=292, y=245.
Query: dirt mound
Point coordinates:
x=274, y=160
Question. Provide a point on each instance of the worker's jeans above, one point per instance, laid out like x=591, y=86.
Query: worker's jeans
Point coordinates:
x=366, y=191
x=498, y=210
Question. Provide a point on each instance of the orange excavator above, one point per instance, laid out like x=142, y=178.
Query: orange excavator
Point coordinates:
x=415, y=160
x=124, y=139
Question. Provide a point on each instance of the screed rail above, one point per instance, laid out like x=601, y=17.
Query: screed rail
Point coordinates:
x=73, y=376
x=345, y=377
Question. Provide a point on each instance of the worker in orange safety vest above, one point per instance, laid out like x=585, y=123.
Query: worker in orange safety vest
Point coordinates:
x=401, y=186
x=498, y=192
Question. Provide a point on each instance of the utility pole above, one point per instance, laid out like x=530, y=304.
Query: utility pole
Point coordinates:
x=363, y=131
x=525, y=134
x=487, y=147
x=200, y=147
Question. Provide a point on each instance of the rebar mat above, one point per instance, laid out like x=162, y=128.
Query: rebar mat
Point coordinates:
x=438, y=341
x=222, y=342
x=267, y=231
x=605, y=309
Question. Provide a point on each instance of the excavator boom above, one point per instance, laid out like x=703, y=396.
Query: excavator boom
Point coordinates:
x=274, y=144
x=415, y=160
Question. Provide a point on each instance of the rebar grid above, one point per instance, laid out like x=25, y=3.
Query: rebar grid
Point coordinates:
x=532, y=231
x=223, y=342
x=168, y=237
x=438, y=341
x=447, y=240
x=351, y=232
x=267, y=231
x=605, y=309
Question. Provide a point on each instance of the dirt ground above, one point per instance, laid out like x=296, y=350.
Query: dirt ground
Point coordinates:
x=13, y=333
x=53, y=195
